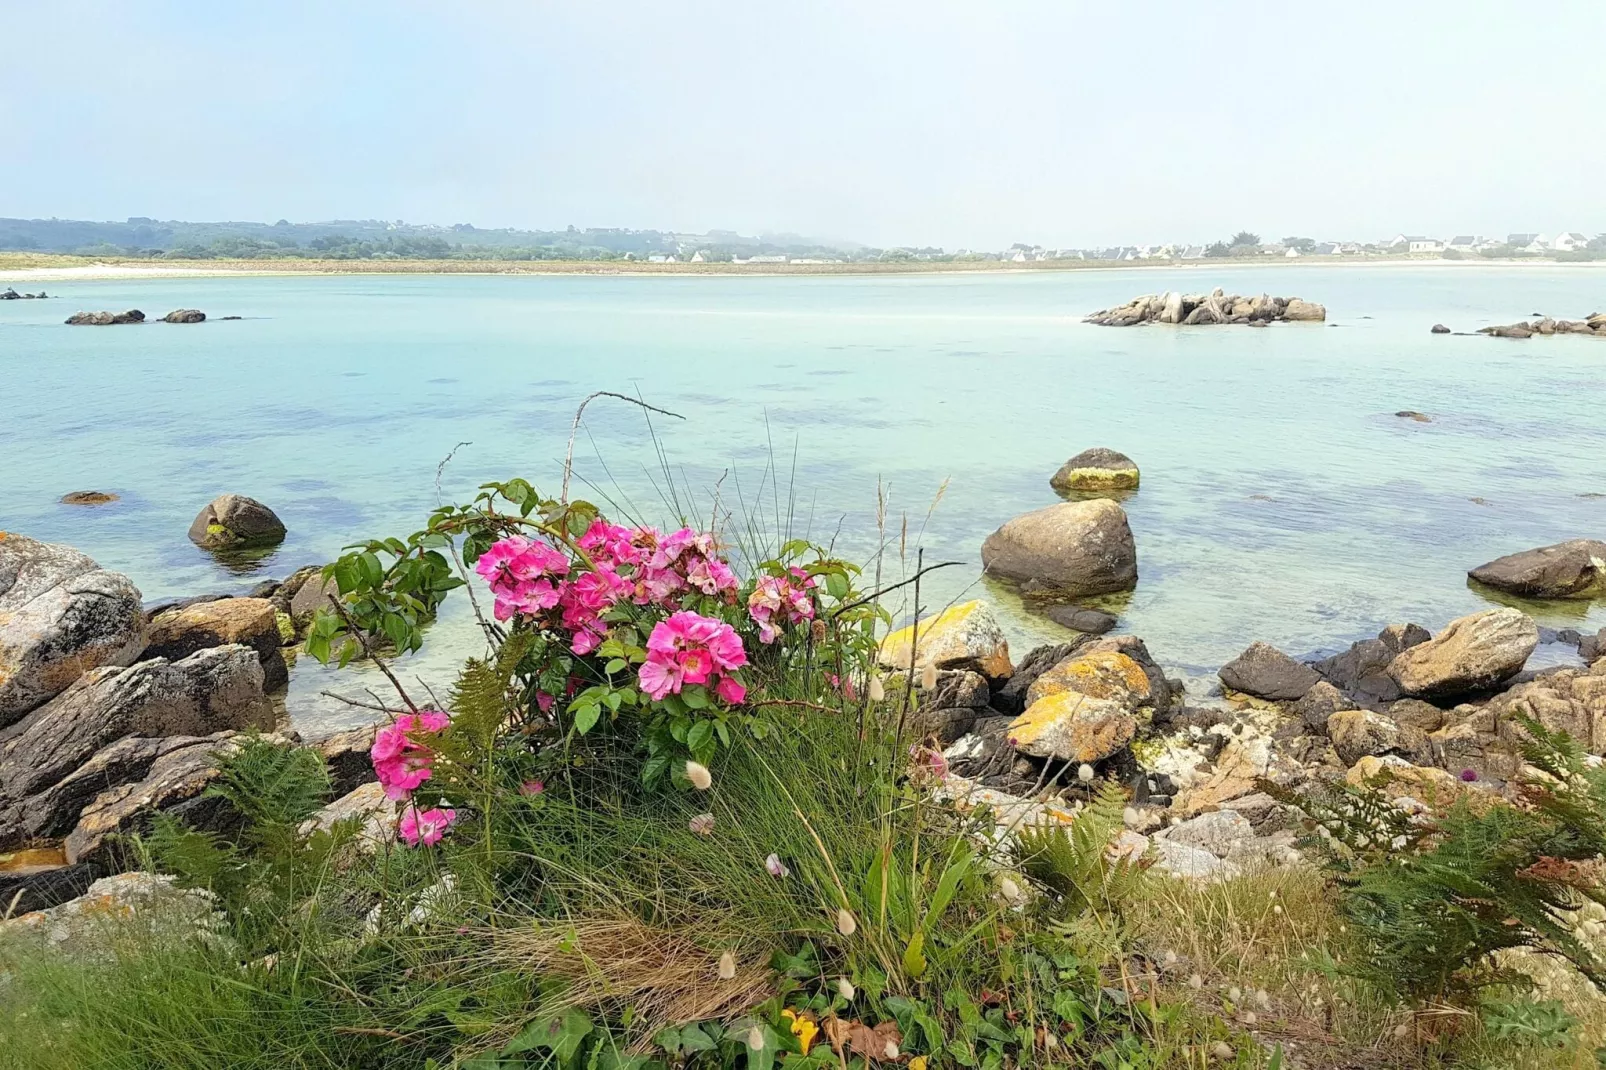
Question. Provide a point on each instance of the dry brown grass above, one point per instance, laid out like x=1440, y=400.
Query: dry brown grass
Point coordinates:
x=611, y=963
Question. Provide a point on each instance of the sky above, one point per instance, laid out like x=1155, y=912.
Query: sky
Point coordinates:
x=960, y=124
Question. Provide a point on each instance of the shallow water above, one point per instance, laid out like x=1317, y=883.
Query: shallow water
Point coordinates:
x=1282, y=499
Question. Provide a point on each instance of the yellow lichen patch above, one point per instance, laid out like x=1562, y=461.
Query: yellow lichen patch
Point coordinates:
x=1101, y=479
x=963, y=635
x=1101, y=674
x=1072, y=726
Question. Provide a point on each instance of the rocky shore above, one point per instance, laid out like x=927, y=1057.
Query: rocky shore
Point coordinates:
x=112, y=710
x=1212, y=308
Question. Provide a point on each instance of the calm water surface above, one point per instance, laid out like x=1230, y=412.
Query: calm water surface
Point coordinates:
x=1282, y=499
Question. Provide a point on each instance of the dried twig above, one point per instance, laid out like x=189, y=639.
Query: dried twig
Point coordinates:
x=378, y=706
x=568, y=455
x=915, y=579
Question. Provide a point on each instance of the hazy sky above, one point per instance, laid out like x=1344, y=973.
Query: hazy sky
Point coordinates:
x=976, y=123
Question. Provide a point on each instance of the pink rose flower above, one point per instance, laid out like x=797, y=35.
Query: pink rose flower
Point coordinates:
x=425, y=828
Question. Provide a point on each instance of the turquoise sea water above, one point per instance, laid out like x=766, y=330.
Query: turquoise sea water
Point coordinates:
x=1282, y=499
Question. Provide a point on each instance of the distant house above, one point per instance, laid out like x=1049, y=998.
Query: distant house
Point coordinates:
x=766, y=260
x=1569, y=241
x=1193, y=252
x=1416, y=243
x=1350, y=248
x=1463, y=243
x=698, y=257
x=1539, y=246
x=1019, y=257
x=1291, y=251
x=1327, y=248
x=1519, y=240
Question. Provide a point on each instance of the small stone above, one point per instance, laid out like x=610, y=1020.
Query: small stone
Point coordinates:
x=1081, y=619
x=88, y=497
x=233, y=521
x=1266, y=672
x=1097, y=470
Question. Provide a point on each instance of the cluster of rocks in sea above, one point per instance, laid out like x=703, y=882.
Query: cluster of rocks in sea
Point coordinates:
x=134, y=315
x=1593, y=324
x=1214, y=307
x=10, y=294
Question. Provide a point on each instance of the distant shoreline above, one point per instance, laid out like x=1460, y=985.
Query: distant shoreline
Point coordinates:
x=35, y=268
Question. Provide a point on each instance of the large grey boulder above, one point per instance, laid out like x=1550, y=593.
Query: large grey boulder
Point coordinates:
x=210, y=691
x=233, y=521
x=105, y=319
x=1572, y=569
x=176, y=781
x=1470, y=654
x=61, y=615
x=1266, y=672
x=1080, y=548
x=1300, y=309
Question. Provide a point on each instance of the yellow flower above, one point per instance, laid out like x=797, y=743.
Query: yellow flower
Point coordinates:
x=803, y=1028
x=917, y=1063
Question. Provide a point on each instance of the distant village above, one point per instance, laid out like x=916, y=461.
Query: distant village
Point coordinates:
x=1573, y=245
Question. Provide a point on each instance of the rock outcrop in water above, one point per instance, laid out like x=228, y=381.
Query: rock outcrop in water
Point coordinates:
x=185, y=315
x=1095, y=471
x=233, y=522
x=1573, y=569
x=105, y=319
x=1594, y=324
x=1214, y=307
x=1076, y=548
x=9, y=294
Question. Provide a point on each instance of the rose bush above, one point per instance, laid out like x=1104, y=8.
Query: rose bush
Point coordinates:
x=602, y=637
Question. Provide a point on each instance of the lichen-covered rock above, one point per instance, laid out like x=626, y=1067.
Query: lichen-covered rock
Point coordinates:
x=1079, y=548
x=1010, y=697
x=1095, y=471
x=1073, y=727
x=1161, y=691
x=966, y=636
x=253, y=622
x=61, y=615
x=233, y=521
x=1266, y=672
x=1471, y=653
x=1572, y=569
x=1100, y=674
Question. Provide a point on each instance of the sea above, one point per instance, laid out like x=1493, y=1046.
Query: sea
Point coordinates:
x=894, y=419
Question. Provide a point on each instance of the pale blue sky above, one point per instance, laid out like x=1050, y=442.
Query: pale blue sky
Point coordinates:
x=974, y=123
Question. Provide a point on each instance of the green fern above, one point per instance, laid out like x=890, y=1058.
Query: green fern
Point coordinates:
x=271, y=785
x=1074, y=861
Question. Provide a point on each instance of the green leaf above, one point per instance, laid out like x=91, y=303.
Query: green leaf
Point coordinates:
x=560, y=1035
x=614, y=665
x=914, y=958
x=837, y=585
x=701, y=734
x=695, y=697
x=693, y=1038
x=586, y=717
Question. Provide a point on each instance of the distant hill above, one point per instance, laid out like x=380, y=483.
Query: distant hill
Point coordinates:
x=375, y=239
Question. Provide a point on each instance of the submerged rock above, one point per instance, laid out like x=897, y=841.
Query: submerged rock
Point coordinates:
x=1439, y=328
x=1078, y=548
x=105, y=319
x=233, y=521
x=966, y=636
x=1572, y=569
x=185, y=315
x=1095, y=470
x=61, y=615
x=1081, y=619
x=1471, y=653
x=87, y=497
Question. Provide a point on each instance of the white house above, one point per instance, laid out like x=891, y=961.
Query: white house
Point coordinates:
x=1327, y=248
x=1569, y=241
x=1464, y=243
x=1416, y=243
x=698, y=257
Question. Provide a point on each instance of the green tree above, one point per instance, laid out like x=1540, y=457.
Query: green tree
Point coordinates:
x=1245, y=237
x=1218, y=249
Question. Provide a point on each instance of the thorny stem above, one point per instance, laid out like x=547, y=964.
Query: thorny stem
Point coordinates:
x=368, y=649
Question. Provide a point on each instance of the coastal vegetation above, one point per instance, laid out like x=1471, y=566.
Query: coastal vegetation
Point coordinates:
x=691, y=807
